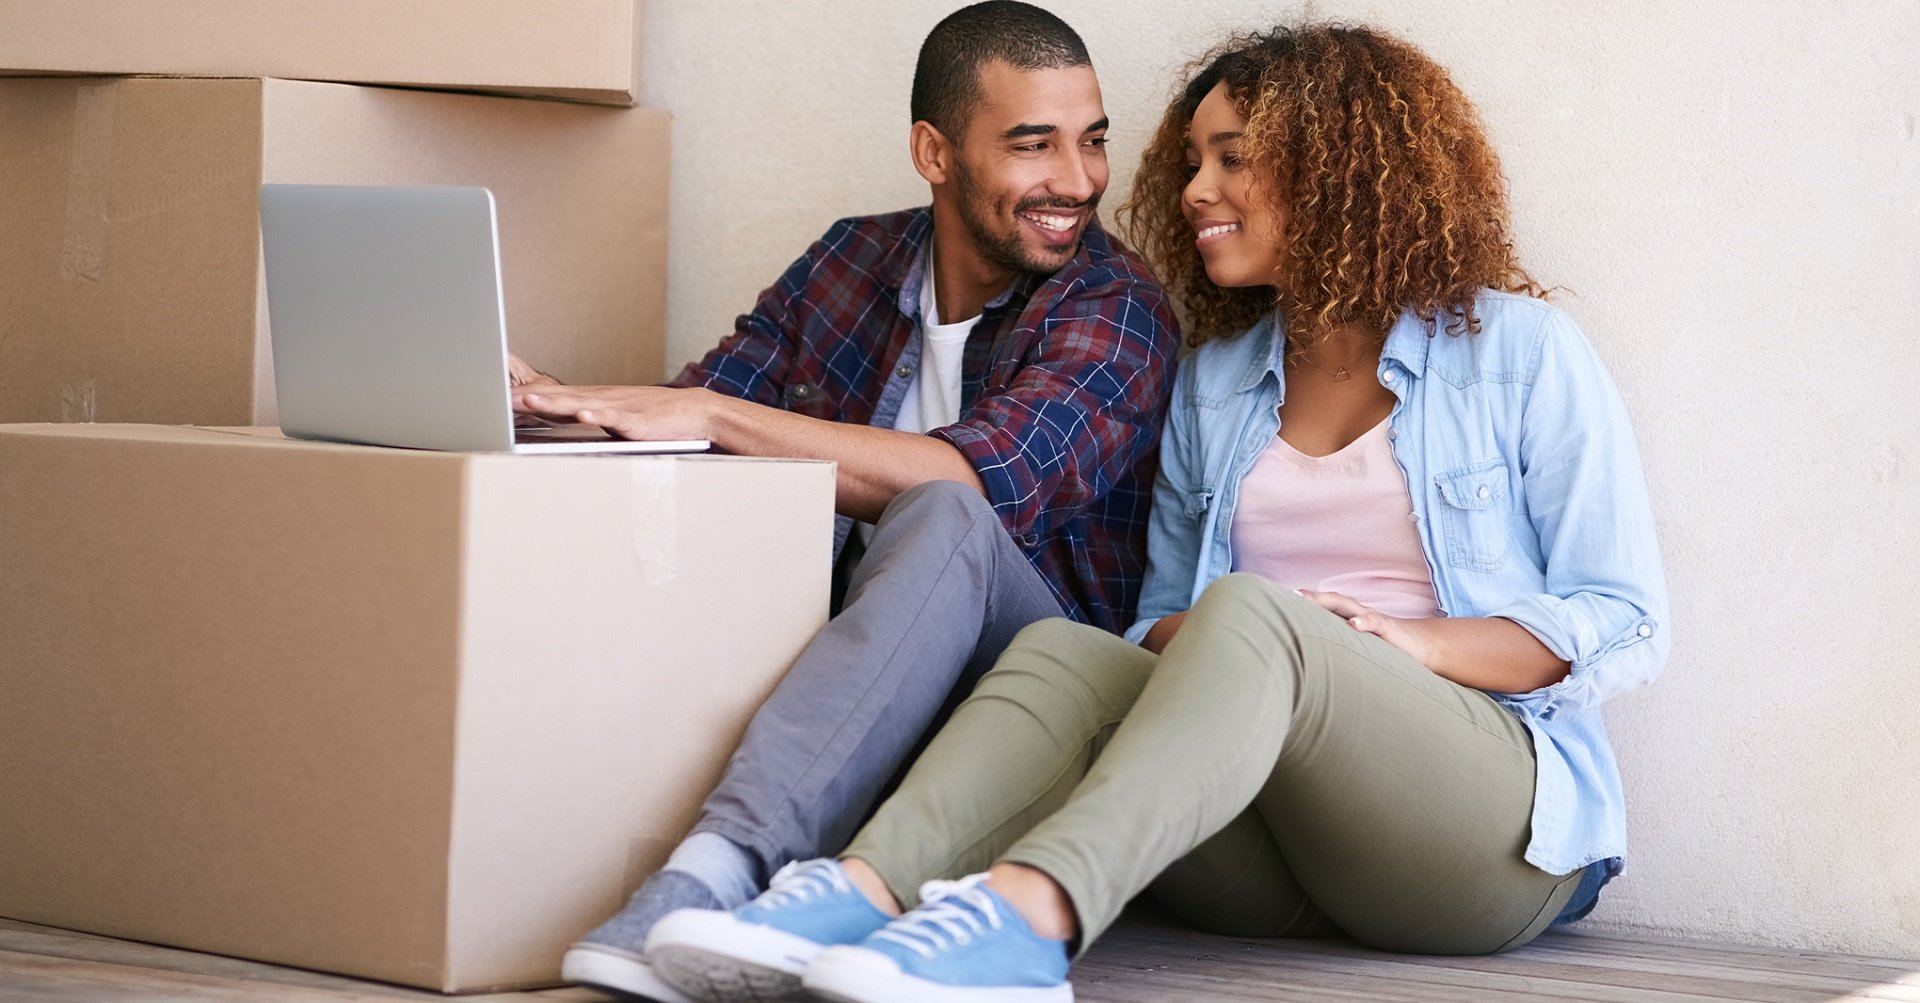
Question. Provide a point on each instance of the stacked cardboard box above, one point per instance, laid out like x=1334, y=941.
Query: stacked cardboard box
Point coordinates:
x=416, y=716
x=130, y=278
x=423, y=717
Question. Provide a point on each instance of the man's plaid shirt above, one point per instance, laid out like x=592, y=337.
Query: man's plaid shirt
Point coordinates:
x=1065, y=383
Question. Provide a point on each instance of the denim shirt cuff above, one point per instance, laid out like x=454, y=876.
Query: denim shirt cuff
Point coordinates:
x=1138, y=632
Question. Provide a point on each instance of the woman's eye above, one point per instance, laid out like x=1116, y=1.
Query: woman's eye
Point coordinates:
x=1193, y=169
x=1231, y=161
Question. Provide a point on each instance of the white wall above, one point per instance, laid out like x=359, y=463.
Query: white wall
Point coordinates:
x=1731, y=189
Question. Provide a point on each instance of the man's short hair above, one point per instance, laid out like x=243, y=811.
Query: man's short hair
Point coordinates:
x=946, y=79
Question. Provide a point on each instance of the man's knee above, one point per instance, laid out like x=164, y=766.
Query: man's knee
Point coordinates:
x=937, y=503
x=944, y=496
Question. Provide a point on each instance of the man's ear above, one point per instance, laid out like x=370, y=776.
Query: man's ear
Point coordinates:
x=932, y=153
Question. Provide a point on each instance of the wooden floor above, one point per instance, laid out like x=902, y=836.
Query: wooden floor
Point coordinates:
x=1144, y=960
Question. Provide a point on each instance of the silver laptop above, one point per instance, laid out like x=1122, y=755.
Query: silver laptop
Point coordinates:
x=388, y=325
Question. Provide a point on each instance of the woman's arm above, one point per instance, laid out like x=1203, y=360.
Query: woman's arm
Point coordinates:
x=1173, y=536
x=1484, y=652
x=1489, y=653
x=1604, y=603
x=1599, y=627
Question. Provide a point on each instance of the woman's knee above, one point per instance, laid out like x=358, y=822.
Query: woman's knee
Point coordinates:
x=1081, y=663
x=1250, y=595
x=1253, y=603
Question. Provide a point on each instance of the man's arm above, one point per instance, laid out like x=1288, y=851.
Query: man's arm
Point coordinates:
x=1082, y=412
x=875, y=464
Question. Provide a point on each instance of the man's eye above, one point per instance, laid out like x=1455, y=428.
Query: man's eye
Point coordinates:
x=1097, y=141
x=1031, y=147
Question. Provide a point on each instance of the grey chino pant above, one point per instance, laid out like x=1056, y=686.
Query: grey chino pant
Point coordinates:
x=939, y=594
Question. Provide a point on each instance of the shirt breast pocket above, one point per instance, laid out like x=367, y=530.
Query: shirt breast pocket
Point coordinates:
x=1476, y=500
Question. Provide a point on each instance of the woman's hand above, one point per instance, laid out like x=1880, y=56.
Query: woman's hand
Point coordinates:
x=1406, y=633
x=1485, y=652
x=1162, y=631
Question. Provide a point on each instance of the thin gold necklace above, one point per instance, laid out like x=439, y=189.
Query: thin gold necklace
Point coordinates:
x=1343, y=373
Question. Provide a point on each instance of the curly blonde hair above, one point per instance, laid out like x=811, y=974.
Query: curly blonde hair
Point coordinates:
x=1394, y=199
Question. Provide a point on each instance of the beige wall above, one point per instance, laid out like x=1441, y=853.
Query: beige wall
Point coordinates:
x=1732, y=191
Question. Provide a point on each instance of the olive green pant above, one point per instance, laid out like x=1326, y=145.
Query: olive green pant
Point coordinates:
x=1273, y=773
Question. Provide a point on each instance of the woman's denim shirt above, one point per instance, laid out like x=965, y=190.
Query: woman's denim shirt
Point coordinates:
x=1531, y=505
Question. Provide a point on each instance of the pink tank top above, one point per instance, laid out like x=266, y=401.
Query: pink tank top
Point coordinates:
x=1337, y=523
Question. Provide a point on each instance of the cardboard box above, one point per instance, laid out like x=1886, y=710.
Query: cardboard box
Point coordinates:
x=131, y=283
x=581, y=50
x=422, y=717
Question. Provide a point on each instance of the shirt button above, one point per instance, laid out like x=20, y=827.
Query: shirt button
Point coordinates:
x=903, y=372
x=1483, y=492
x=1387, y=377
x=1392, y=435
x=1413, y=517
x=1646, y=630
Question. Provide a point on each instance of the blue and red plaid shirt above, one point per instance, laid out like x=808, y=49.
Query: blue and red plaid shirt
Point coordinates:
x=1064, y=385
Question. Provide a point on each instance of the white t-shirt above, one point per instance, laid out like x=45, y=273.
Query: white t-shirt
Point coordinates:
x=933, y=398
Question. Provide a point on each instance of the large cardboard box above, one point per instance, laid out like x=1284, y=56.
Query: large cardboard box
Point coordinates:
x=422, y=717
x=582, y=50
x=131, y=284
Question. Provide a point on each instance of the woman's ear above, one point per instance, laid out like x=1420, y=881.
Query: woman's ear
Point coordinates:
x=932, y=153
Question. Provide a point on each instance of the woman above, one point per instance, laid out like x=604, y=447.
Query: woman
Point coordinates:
x=1387, y=723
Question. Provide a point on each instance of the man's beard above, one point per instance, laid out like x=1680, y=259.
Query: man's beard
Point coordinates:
x=1004, y=248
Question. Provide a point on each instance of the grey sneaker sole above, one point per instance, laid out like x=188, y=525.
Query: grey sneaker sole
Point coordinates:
x=619, y=972
x=713, y=956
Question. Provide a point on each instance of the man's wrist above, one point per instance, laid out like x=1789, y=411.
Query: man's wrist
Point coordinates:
x=725, y=418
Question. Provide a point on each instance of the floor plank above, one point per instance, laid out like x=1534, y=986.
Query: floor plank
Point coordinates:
x=43, y=962
x=1145, y=959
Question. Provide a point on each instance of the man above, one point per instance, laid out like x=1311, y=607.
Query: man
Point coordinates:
x=990, y=374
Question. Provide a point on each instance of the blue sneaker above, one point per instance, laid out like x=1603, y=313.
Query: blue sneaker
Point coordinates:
x=758, y=951
x=964, y=944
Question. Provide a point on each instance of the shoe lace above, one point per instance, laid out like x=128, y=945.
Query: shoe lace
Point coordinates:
x=802, y=880
x=950, y=914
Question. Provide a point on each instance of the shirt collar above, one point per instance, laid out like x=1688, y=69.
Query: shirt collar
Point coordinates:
x=1407, y=343
x=905, y=270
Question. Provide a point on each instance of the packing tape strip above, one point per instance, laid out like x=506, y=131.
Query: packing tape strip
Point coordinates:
x=656, y=536
x=79, y=402
x=84, y=250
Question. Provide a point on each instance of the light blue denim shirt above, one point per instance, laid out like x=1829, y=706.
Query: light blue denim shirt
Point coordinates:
x=1528, y=492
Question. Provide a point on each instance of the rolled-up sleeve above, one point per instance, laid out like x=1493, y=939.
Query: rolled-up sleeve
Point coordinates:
x=1604, y=608
x=1081, y=413
x=752, y=362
